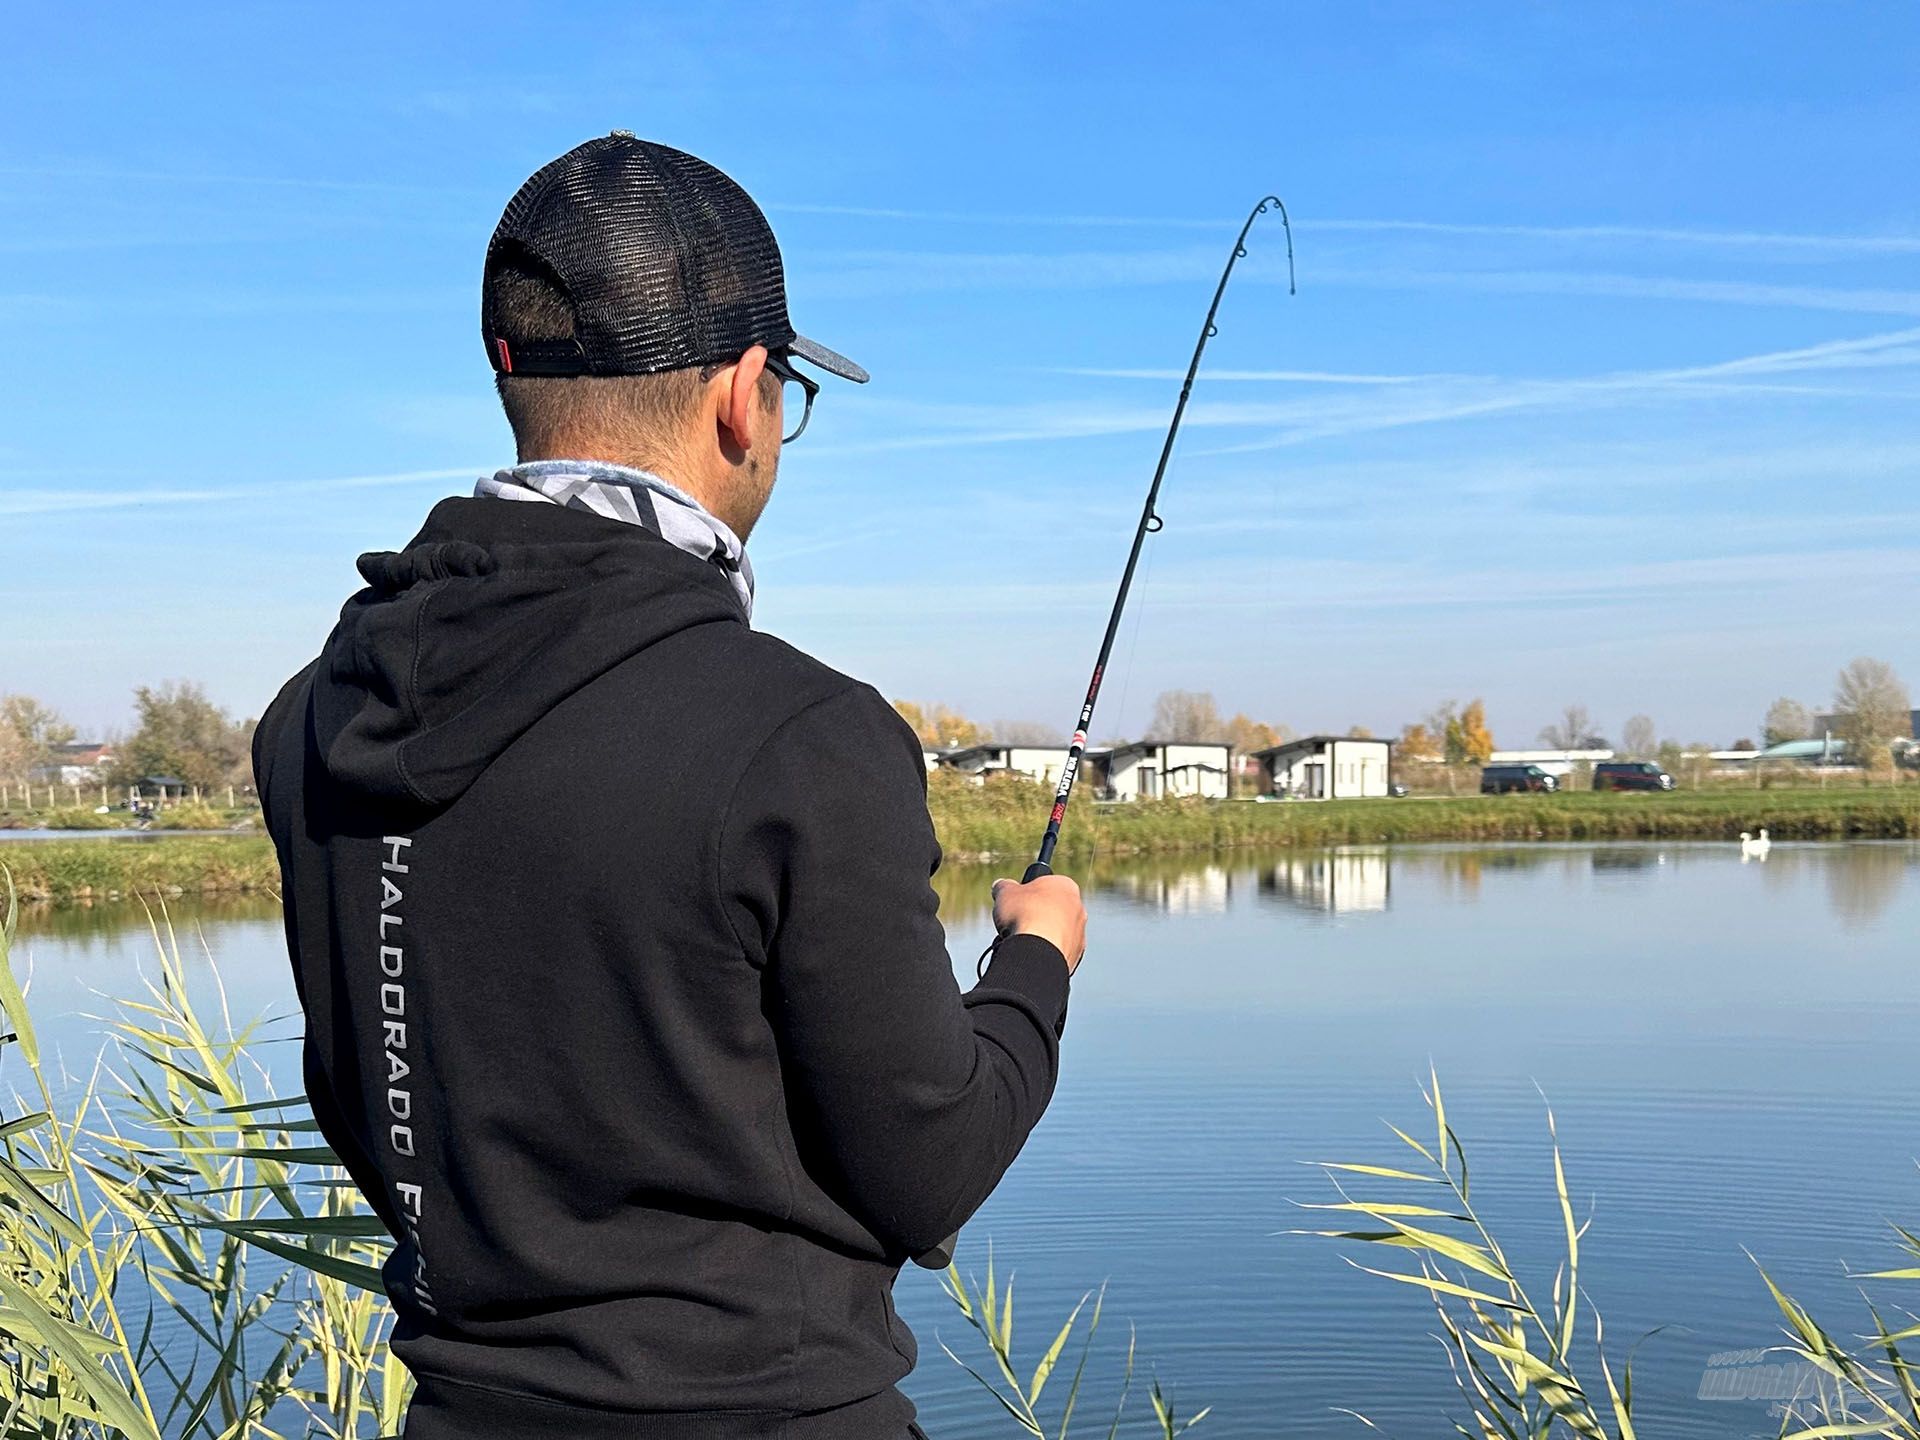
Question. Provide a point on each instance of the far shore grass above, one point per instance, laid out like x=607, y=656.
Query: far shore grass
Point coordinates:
x=82, y=871
x=1002, y=822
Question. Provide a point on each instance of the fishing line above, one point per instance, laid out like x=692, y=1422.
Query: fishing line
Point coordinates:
x=1133, y=646
x=941, y=1255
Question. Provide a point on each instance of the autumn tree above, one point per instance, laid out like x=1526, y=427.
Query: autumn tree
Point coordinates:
x=915, y=715
x=940, y=727
x=1187, y=715
x=1417, y=742
x=1787, y=719
x=1025, y=732
x=1574, y=730
x=1639, y=738
x=1476, y=739
x=1359, y=732
x=1871, y=710
x=1246, y=735
x=183, y=734
x=29, y=732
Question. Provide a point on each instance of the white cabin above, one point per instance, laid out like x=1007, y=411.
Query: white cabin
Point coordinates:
x=1042, y=763
x=1327, y=767
x=1157, y=769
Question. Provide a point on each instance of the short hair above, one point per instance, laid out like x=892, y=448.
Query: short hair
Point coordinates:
x=547, y=412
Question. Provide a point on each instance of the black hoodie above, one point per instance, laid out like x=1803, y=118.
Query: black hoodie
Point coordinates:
x=627, y=1001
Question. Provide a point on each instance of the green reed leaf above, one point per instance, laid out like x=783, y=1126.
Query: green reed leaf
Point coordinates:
x=1383, y=1171
x=105, y=1396
x=1044, y=1369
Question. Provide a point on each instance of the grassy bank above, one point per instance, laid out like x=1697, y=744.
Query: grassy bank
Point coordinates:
x=64, y=871
x=1006, y=819
x=185, y=816
x=1003, y=822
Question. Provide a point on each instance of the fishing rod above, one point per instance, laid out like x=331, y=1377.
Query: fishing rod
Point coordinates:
x=941, y=1255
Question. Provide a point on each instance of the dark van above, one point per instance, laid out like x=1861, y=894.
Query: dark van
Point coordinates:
x=1631, y=775
x=1499, y=779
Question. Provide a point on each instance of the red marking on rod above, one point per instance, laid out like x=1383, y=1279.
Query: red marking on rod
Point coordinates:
x=506, y=356
x=1079, y=737
x=1059, y=812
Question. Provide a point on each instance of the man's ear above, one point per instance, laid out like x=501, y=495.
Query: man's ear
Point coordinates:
x=739, y=395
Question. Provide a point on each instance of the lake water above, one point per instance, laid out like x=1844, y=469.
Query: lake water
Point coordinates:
x=1727, y=1046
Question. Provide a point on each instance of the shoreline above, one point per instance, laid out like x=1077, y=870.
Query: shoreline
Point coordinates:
x=975, y=821
x=1001, y=823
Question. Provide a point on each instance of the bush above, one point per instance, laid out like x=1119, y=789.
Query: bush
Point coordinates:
x=63, y=870
x=76, y=818
x=190, y=815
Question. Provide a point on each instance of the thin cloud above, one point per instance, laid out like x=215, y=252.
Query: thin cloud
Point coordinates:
x=1707, y=237
x=1307, y=377
x=1894, y=348
x=1884, y=244
x=1407, y=401
x=1323, y=585
x=1636, y=287
x=866, y=274
x=55, y=501
x=119, y=176
x=1699, y=236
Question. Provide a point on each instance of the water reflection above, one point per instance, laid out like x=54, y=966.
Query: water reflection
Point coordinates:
x=1862, y=891
x=1692, y=1020
x=1335, y=882
x=1862, y=881
x=99, y=920
x=1627, y=861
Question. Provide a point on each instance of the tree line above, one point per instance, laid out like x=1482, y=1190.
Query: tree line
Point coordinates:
x=1871, y=712
x=1177, y=715
x=178, y=732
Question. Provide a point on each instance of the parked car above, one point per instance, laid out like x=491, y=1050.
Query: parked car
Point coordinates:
x=1499, y=779
x=1631, y=775
x=1397, y=790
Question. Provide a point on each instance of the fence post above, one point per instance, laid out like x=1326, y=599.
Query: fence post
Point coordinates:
x=229, y=797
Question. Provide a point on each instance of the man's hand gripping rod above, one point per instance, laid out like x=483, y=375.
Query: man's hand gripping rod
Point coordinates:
x=941, y=1255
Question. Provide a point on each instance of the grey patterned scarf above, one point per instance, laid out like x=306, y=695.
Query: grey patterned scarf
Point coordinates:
x=636, y=497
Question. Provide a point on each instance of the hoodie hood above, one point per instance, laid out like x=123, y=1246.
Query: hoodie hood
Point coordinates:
x=490, y=617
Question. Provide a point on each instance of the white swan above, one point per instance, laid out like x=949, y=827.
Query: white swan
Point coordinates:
x=1752, y=848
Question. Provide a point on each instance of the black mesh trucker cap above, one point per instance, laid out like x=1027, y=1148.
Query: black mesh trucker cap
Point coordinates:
x=667, y=263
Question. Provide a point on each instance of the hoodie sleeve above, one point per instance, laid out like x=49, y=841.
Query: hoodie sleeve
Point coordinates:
x=922, y=1095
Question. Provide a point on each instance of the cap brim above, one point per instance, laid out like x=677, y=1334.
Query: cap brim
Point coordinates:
x=832, y=361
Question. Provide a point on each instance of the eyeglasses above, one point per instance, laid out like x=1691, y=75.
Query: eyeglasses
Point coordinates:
x=778, y=367
x=787, y=375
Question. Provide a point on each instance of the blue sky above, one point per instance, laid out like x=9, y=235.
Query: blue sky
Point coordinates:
x=1599, y=385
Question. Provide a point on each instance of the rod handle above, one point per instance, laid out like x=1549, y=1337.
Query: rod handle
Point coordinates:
x=1035, y=871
